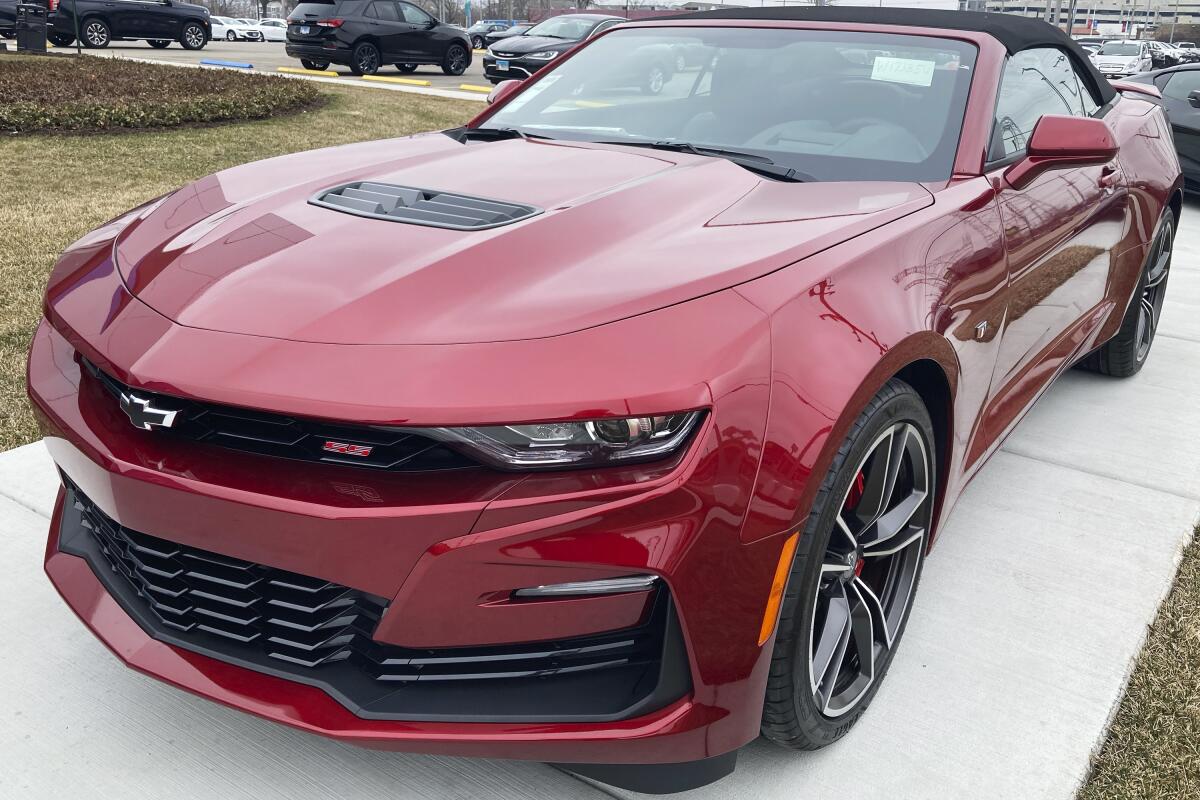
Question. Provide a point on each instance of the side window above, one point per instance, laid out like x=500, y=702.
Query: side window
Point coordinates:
x=383, y=9
x=415, y=15
x=1035, y=82
x=1181, y=84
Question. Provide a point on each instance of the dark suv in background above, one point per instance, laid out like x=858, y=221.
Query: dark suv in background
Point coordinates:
x=159, y=22
x=366, y=34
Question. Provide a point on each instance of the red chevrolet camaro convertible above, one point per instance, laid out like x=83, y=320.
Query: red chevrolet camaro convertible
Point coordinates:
x=612, y=429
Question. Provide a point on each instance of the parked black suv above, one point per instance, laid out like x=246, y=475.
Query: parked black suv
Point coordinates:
x=159, y=22
x=366, y=34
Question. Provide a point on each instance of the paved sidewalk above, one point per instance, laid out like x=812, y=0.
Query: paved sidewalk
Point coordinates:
x=1031, y=611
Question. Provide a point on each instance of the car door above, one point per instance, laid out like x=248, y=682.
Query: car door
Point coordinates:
x=1176, y=88
x=1061, y=232
x=386, y=27
x=142, y=19
x=418, y=40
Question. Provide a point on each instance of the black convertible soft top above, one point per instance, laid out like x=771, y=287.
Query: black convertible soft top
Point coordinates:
x=1015, y=33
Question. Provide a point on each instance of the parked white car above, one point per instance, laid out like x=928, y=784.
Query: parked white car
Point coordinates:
x=235, y=29
x=273, y=30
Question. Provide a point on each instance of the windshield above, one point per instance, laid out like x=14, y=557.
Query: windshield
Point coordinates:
x=1120, y=49
x=564, y=28
x=830, y=105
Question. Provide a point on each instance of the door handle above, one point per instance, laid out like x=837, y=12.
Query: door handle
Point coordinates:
x=1110, y=177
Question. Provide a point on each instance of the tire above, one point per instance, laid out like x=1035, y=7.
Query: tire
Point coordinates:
x=1125, y=354
x=95, y=33
x=193, y=36
x=832, y=571
x=655, y=80
x=365, y=59
x=456, y=60
x=230, y=36
x=316, y=66
x=477, y=42
x=159, y=43
x=406, y=68
x=61, y=39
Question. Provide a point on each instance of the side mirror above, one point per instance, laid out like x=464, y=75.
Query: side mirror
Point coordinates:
x=503, y=89
x=1194, y=98
x=1061, y=142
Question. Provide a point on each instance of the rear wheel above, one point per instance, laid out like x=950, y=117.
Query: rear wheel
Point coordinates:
x=365, y=59
x=317, y=66
x=406, y=68
x=855, y=574
x=456, y=61
x=159, y=43
x=194, y=37
x=1126, y=353
x=96, y=33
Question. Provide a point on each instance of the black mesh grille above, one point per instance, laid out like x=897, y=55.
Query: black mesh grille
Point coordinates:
x=295, y=437
x=317, y=632
x=422, y=206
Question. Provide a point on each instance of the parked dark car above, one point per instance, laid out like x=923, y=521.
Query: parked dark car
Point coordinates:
x=521, y=56
x=480, y=31
x=366, y=34
x=515, y=30
x=158, y=22
x=8, y=18
x=1180, y=88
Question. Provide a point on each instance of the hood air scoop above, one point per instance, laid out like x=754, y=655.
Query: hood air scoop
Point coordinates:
x=422, y=206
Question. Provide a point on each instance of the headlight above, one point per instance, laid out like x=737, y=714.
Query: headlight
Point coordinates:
x=543, y=55
x=555, y=445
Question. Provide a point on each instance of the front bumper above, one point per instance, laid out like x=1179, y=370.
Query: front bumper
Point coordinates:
x=442, y=550
x=518, y=68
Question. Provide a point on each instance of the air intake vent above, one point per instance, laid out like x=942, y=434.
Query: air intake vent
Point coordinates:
x=422, y=206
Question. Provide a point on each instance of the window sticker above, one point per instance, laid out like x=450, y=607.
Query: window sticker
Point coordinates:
x=912, y=71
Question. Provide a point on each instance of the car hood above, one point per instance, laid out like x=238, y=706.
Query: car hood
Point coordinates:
x=520, y=45
x=621, y=232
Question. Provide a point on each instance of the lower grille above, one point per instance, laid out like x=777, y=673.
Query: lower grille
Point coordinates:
x=319, y=633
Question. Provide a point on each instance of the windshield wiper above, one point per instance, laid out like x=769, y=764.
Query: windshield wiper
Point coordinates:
x=751, y=161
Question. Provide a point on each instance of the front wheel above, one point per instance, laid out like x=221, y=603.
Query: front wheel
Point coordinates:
x=316, y=66
x=61, y=39
x=477, y=42
x=456, y=61
x=655, y=80
x=406, y=68
x=159, y=44
x=1126, y=353
x=854, y=575
x=230, y=36
x=365, y=59
x=194, y=37
x=96, y=33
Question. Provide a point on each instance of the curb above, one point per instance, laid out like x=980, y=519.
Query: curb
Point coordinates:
x=405, y=81
x=297, y=71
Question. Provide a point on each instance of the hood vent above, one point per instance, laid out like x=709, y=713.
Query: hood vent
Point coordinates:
x=422, y=206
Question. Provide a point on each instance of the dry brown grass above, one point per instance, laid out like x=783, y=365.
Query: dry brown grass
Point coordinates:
x=1153, y=748
x=53, y=189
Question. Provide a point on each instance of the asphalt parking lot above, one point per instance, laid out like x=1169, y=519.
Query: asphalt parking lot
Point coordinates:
x=269, y=57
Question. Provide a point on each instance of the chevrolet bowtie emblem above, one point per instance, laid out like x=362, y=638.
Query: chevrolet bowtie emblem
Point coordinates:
x=144, y=415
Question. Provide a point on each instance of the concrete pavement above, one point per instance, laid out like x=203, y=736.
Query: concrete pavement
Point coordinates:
x=1031, y=611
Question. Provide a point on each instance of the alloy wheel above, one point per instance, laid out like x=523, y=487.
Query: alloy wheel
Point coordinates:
x=869, y=569
x=1154, y=290
x=96, y=34
x=194, y=36
x=655, y=80
x=456, y=62
x=230, y=36
x=367, y=60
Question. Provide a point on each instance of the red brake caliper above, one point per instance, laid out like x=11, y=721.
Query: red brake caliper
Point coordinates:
x=853, y=498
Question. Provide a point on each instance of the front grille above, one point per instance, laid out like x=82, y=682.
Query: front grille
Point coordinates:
x=316, y=632
x=422, y=206
x=294, y=437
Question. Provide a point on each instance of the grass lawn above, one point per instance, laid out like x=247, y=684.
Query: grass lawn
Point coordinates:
x=1153, y=748
x=53, y=189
